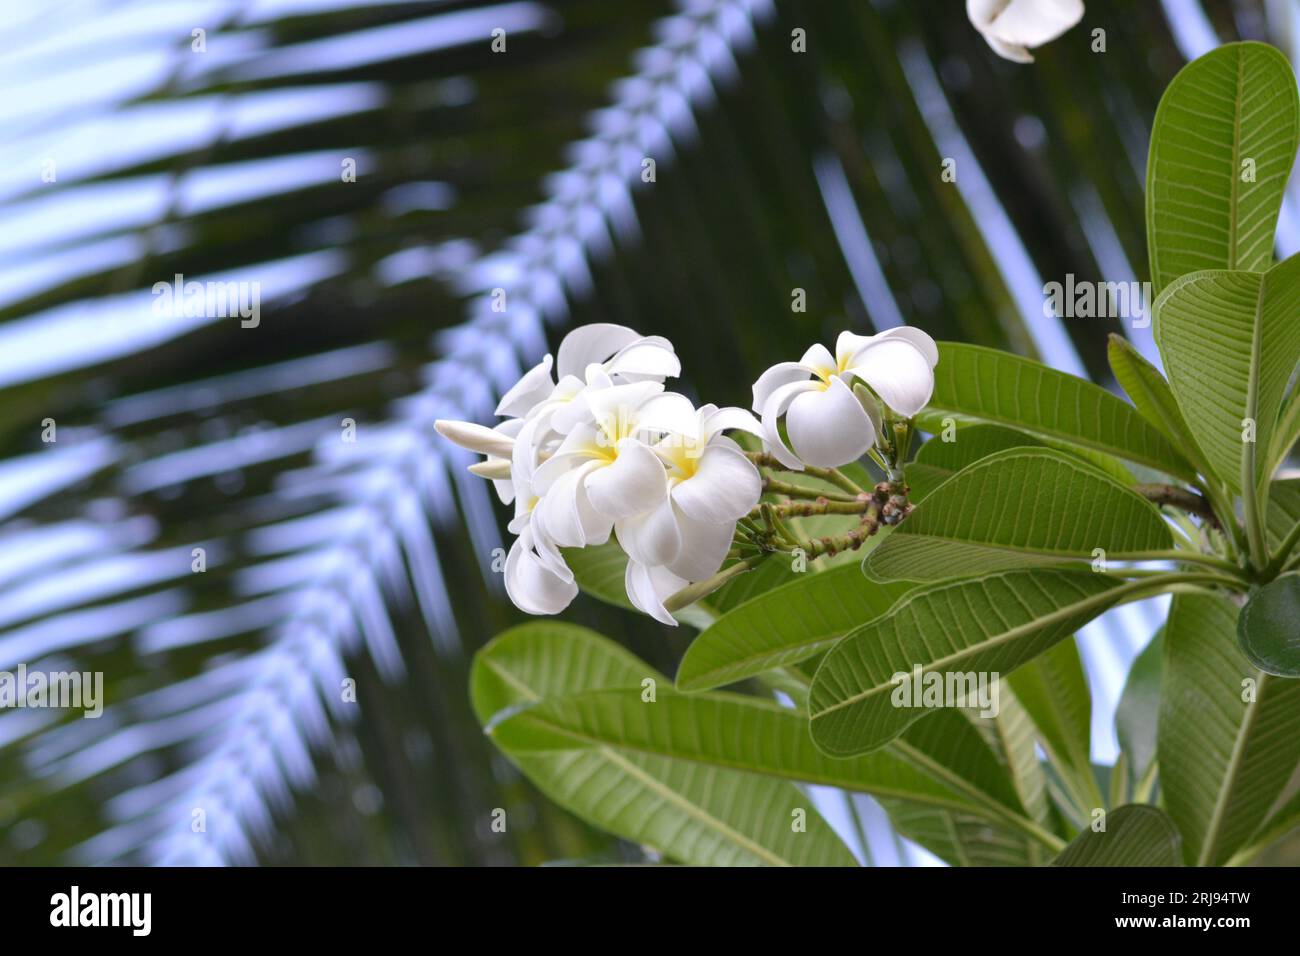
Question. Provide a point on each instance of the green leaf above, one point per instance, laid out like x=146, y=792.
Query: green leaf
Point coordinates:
x=790, y=623
x=1283, y=511
x=1138, y=712
x=1287, y=432
x=991, y=760
x=1030, y=506
x=727, y=731
x=990, y=625
x=1268, y=628
x=1230, y=341
x=1005, y=389
x=971, y=443
x=1011, y=735
x=1234, y=104
x=962, y=839
x=1152, y=396
x=1135, y=835
x=696, y=814
x=1054, y=690
x=1229, y=735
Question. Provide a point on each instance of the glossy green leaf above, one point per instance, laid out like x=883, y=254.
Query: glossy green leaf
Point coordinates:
x=1229, y=735
x=1023, y=507
x=1222, y=147
x=1005, y=389
x=790, y=623
x=990, y=625
x=1135, y=835
x=1268, y=628
x=690, y=812
x=1230, y=341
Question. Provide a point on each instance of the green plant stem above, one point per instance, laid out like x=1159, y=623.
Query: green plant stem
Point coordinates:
x=832, y=476
x=1280, y=560
x=1254, y=509
x=1190, y=557
x=694, y=592
x=790, y=490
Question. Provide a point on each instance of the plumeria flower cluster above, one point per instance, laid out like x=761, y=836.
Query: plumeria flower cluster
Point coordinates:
x=593, y=445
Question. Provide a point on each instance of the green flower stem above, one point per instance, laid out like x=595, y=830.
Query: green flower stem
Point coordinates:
x=833, y=476
x=777, y=487
x=701, y=589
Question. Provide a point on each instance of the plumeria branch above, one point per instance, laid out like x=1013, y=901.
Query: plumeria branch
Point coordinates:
x=834, y=476
x=1175, y=497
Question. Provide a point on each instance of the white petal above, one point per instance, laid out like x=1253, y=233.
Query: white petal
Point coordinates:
x=1031, y=23
x=1009, y=51
x=776, y=405
x=648, y=588
x=910, y=333
x=613, y=408
x=774, y=378
x=534, y=387
x=703, y=549
x=649, y=359
x=829, y=428
x=532, y=586
x=670, y=413
x=633, y=483
x=849, y=344
x=651, y=538
x=592, y=343
x=818, y=359
x=727, y=419
x=898, y=372
x=477, y=438
x=566, y=515
x=725, y=486
x=497, y=469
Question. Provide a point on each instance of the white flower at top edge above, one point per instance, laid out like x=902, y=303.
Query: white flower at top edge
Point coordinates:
x=826, y=424
x=1014, y=27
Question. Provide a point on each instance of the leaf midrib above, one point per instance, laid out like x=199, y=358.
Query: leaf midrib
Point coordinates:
x=1019, y=630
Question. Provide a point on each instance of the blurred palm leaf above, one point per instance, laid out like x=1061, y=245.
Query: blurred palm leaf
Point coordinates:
x=369, y=560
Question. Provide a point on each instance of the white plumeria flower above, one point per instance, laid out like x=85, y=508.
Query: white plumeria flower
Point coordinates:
x=539, y=410
x=603, y=470
x=711, y=485
x=826, y=423
x=1013, y=27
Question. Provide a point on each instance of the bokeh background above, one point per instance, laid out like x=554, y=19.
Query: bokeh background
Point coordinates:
x=369, y=560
